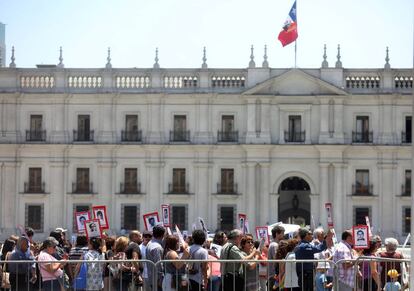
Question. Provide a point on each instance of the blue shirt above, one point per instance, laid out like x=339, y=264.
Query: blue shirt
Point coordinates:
x=305, y=251
x=320, y=281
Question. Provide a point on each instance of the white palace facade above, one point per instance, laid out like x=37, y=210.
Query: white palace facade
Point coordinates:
x=275, y=144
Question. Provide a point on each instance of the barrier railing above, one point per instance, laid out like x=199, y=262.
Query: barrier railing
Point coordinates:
x=198, y=275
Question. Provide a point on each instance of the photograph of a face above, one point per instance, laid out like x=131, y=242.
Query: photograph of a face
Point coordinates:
x=242, y=223
x=81, y=217
x=262, y=233
x=151, y=220
x=360, y=236
x=99, y=212
x=93, y=228
x=165, y=210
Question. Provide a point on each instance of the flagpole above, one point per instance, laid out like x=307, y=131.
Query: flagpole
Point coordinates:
x=295, y=54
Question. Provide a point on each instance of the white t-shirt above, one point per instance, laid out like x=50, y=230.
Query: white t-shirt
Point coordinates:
x=291, y=278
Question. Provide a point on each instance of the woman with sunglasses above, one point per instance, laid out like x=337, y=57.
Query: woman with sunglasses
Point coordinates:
x=251, y=270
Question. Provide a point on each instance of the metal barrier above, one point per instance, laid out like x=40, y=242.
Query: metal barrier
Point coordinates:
x=197, y=275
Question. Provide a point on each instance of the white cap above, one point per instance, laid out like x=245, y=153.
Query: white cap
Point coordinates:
x=323, y=265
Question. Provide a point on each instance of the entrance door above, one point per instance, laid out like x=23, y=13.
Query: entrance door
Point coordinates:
x=294, y=201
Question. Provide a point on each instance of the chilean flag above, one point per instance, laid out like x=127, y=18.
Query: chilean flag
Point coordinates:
x=290, y=29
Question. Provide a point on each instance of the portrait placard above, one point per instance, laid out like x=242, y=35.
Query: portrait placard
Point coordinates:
x=262, y=233
x=360, y=236
x=329, y=216
x=99, y=212
x=81, y=217
x=92, y=228
x=151, y=220
x=242, y=222
x=166, y=219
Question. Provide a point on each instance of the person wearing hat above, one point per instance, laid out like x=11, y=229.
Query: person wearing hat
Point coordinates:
x=51, y=272
x=321, y=281
x=306, y=251
x=393, y=284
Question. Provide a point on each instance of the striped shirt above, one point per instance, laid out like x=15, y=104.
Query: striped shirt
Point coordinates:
x=343, y=251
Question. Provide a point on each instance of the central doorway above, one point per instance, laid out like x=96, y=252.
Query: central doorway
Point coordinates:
x=294, y=201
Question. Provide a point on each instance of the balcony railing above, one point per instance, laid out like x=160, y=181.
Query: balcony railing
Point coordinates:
x=362, y=136
x=129, y=188
x=131, y=136
x=362, y=190
x=295, y=136
x=179, y=135
x=405, y=190
x=81, y=135
x=82, y=188
x=178, y=189
x=34, y=188
x=35, y=135
x=227, y=136
x=226, y=188
x=405, y=137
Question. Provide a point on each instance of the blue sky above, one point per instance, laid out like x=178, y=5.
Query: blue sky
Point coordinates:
x=180, y=29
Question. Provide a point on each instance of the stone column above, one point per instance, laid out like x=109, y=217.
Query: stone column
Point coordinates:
x=385, y=212
x=324, y=121
x=203, y=133
x=249, y=205
x=324, y=192
x=385, y=122
x=202, y=193
x=282, y=121
x=155, y=186
x=339, y=121
x=265, y=122
x=57, y=195
x=155, y=135
x=308, y=121
x=9, y=197
x=339, y=204
x=251, y=121
x=265, y=207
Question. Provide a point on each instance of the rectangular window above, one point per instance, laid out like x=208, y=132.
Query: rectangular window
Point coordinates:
x=180, y=133
x=408, y=133
x=131, y=180
x=82, y=180
x=84, y=128
x=360, y=214
x=130, y=217
x=227, y=180
x=227, y=123
x=295, y=133
x=36, y=123
x=35, y=180
x=179, y=181
x=226, y=218
x=179, y=216
x=362, y=124
x=407, y=183
x=362, y=133
x=180, y=123
x=406, y=224
x=131, y=123
x=34, y=217
x=80, y=208
x=362, y=186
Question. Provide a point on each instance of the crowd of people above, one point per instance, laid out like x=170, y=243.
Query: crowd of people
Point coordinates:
x=122, y=263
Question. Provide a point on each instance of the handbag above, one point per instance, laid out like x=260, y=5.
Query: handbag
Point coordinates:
x=80, y=280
